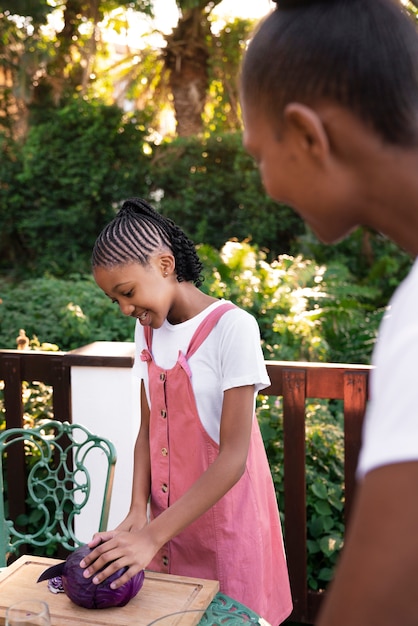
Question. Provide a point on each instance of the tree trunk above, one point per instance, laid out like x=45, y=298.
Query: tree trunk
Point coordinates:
x=186, y=58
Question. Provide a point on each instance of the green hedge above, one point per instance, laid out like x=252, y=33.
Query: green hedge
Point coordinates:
x=212, y=188
x=65, y=181
x=324, y=479
x=305, y=311
x=62, y=185
x=69, y=313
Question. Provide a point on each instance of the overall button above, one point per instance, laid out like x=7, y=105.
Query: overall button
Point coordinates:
x=162, y=376
x=164, y=451
x=164, y=488
x=165, y=561
x=163, y=413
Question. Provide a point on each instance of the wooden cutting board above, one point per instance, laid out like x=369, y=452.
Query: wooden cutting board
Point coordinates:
x=161, y=595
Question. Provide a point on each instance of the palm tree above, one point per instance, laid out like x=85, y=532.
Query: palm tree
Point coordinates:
x=38, y=71
x=43, y=72
x=186, y=58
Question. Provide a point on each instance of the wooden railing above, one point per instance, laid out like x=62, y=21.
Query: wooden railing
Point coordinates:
x=295, y=382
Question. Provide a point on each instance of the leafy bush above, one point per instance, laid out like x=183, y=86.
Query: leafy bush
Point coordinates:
x=212, y=188
x=63, y=183
x=36, y=396
x=70, y=172
x=305, y=311
x=10, y=166
x=324, y=479
x=69, y=313
x=370, y=257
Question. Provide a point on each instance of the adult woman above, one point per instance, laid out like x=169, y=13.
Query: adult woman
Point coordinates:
x=330, y=103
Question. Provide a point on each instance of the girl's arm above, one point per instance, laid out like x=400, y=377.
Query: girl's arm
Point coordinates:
x=136, y=549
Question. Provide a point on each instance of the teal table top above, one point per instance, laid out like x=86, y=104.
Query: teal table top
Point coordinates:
x=223, y=610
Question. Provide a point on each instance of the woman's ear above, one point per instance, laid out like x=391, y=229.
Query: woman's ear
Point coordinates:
x=308, y=130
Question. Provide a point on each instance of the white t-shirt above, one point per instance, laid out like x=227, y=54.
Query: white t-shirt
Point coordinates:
x=231, y=356
x=390, y=433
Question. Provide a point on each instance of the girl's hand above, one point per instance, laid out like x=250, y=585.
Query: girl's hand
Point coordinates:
x=117, y=549
x=132, y=522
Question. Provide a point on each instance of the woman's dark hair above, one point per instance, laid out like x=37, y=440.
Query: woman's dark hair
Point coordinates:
x=137, y=232
x=360, y=54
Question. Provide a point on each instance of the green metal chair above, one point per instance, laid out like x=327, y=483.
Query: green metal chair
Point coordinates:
x=58, y=458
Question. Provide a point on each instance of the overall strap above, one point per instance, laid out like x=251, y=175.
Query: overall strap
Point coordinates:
x=203, y=330
x=146, y=352
x=199, y=336
x=148, y=336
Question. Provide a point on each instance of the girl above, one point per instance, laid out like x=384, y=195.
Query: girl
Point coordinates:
x=330, y=100
x=199, y=456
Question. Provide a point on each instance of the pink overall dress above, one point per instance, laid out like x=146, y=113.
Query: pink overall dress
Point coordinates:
x=238, y=541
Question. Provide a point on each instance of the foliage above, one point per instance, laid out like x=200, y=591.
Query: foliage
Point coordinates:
x=324, y=480
x=73, y=168
x=213, y=189
x=36, y=396
x=137, y=81
x=68, y=312
x=350, y=315
x=372, y=258
x=48, y=64
x=10, y=166
x=37, y=10
x=63, y=183
x=48, y=52
x=305, y=311
x=222, y=111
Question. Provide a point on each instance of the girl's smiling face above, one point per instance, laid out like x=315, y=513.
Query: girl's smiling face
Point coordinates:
x=144, y=292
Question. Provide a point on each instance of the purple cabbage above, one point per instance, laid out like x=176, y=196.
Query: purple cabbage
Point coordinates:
x=83, y=592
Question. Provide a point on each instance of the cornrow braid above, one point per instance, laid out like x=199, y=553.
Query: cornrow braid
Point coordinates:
x=137, y=232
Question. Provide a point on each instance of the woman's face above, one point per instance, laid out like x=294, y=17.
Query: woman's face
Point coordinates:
x=320, y=192
x=143, y=292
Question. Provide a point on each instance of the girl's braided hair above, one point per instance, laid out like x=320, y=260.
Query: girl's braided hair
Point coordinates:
x=137, y=232
x=359, y=54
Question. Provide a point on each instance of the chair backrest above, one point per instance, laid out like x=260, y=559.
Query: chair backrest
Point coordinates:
x=57, y=456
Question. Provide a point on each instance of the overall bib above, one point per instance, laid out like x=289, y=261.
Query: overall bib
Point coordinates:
x=238, y=541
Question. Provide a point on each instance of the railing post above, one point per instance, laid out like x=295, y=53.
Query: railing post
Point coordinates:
x=13, y=405
x=61, y=397
x=355, y=401
x=13, y=402
x=294, y=394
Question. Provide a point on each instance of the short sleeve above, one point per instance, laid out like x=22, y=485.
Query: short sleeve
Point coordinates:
x=242, y=359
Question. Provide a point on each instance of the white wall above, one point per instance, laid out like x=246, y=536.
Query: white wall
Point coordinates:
x=107, y=401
